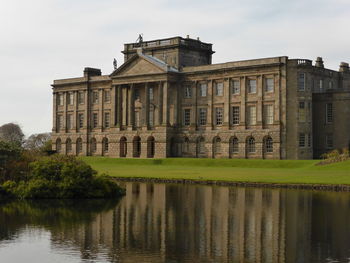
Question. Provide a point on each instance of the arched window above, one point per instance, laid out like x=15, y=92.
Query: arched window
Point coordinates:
x=105, y=145
x=217, y=145
x=93, y=145
x=136, y=146
x=123, y=147
x=79, y=146
x=234, y=147
x=58, y=145
x=150, y=147
x=201, y=145
x=268, y=145
x=251, y=145
x=186, y=145
x=68, y=146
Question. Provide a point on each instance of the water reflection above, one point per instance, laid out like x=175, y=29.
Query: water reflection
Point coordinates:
x=185, y=223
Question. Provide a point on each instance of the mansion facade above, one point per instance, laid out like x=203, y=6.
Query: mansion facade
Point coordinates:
x=169, y=100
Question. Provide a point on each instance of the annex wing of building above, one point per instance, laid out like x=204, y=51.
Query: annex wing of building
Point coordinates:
x=169, y=100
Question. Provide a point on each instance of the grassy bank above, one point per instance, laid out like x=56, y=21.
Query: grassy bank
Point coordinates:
x=240, y=170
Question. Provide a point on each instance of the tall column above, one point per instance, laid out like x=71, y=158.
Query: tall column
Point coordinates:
x=119, y=107
x=86, y=110
x=259, y=110
x=75, y=113
x=100, y=106
x=146, y=109
x=210, y=105
x=243, y=83
x=54, y=117
x=131, y=105
x=195, y=89
x=165, y=103
x=227, y=98
x=124, y=105
x=65, y=106
x=113, y=106
x=160, y=103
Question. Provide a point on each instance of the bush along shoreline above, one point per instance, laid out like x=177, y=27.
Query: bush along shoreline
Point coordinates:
x=60, y=177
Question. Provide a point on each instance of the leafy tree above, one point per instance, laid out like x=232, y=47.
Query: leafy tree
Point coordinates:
x=11, y=132
x=38, y=142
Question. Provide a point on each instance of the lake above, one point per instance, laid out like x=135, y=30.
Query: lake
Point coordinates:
x=180, y=223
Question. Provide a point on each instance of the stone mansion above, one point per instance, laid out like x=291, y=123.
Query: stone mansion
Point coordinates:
x=169, y=100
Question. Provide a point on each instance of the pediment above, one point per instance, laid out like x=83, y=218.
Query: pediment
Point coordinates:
x=137, y=66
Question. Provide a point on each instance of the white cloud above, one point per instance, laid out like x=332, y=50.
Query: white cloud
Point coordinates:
x=42, y=40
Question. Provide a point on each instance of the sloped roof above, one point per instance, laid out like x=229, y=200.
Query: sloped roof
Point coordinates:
x=153, y=60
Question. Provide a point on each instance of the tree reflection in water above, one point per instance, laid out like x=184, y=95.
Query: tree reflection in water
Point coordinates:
x=188, y=223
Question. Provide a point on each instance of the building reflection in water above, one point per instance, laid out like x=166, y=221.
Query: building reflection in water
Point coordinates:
x=186, y=223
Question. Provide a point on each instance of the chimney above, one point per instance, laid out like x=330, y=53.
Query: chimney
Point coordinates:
x=319, y=62
x=188, y=36
x=344, y=67
x=89, y=72
x=198, y=39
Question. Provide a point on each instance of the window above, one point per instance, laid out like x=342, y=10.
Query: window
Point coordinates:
x=219, y=89
x=95, y=97
x=60, y=99
x=58, y=145
x=94, y=120
x=105, y=145
x=79, y=146
x=235, y=115
x=202, y=116
x=234, y=145
x=59, y=122
x=188, y=92
x=107, y=96
x=69, y=145
x=187, y=117
x=330, y=84
x=236, y=87
x=93, y=145
x=80, y=120
x=70, y=98
x=81, y=97
x=321, y=84
x=251, y=145
x=150, y=93
x=269, y=84
x=301, y=139
x=301, y=81
x=251, y=115
x=219, y=112
x=107, y=120
x=268, y=145
x=203, y=89
x=302, y=115
x=252, y=86
x=70, y=121
x=329, y=141
x=329, y=112
x=268, y=114
x=309, y=142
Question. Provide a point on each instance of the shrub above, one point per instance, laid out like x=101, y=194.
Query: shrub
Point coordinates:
x=335, y=156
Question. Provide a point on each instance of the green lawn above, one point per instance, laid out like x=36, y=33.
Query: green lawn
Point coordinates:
x=264, y=171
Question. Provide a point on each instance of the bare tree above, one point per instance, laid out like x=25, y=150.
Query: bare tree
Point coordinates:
x=37, y=141
x=11, y=132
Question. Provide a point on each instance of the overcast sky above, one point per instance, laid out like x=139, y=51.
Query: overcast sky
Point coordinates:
x=43, y=40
